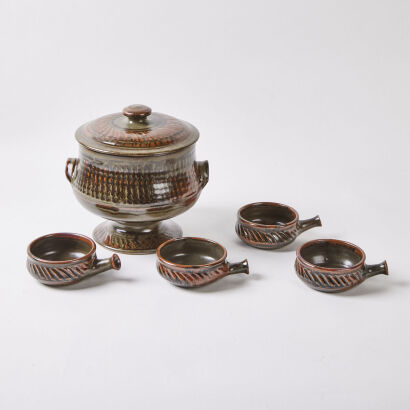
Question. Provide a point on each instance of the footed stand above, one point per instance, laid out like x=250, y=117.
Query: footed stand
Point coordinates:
x=135, y=238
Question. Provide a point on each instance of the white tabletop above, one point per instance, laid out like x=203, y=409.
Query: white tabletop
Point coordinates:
x=301, y=103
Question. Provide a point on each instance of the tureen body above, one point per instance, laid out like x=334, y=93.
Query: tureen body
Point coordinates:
x=137, y=171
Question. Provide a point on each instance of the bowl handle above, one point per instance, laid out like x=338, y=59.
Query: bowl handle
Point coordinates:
x=202, y=170
x=306, y=224
x=377, y=269
x=240, y=267
x=70, y=167
x=102, y=265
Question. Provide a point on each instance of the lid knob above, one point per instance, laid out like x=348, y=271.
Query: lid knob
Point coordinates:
x=136, y=111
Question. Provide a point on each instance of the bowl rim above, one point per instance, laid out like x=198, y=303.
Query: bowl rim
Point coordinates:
x=350, y=245
x=273, y=205
x=69, y=235
x=178, y=265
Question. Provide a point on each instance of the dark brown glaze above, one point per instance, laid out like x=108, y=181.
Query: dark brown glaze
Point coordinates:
x=194, y=262
x=64, y=258
x=136, y=131
x=270, y=225
x=137, y=169
x=135, y=239
x=331, y=265
x=149, y=182
x=137, y=111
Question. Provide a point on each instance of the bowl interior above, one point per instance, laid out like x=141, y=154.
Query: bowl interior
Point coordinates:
x=331, y=254
x=192, y=251
x=268, y=214
x=56, y=248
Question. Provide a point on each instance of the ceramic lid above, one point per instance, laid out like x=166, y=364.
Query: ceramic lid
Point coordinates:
x=136, y=131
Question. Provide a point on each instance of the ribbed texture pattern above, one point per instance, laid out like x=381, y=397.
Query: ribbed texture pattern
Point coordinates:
x=326, y=281
x=138, y=181
x=134, y=241
x=266, y=239
x=160, y=130
x=58, y=276
x=157, y=131
x=192, y=278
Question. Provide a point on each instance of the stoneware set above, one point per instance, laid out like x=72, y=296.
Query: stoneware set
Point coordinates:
x=137, y=169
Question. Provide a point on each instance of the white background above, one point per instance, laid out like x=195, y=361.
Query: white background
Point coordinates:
x=300, y=102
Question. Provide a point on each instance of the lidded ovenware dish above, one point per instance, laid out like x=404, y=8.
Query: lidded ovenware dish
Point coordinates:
x=137, y=168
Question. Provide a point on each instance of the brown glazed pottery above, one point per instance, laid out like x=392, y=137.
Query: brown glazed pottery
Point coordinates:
x=62, y=259
x=193, y=262
x=269, y=225
x=330, y=265
x=136, y=169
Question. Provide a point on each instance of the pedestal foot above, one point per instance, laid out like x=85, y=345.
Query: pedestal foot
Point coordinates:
x=135, y=238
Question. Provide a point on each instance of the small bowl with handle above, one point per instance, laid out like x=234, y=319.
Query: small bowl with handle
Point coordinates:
x=60, y=259
x=193, y=262
x=270, y=225
x=331, y=265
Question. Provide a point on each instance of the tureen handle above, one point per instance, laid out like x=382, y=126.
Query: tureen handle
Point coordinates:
x=202, y=170
x=70, y=167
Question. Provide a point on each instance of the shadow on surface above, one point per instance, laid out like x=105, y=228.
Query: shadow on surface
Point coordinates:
x=292, y=247
x=228, y=283
x=95, y=281
x=369, y=287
